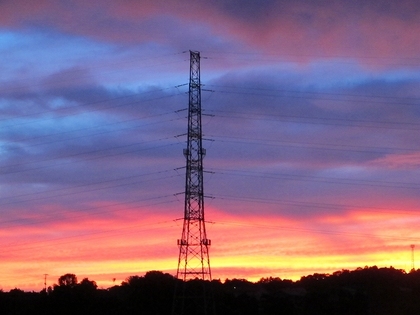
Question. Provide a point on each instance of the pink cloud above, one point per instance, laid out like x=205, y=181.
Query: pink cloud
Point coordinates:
x=399, y=161
x=344, y=29
x=299, y=30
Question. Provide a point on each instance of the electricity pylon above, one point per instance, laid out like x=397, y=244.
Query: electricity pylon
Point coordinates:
x=193, y=261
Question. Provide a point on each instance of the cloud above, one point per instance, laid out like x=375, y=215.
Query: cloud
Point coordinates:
x=300, y=29
x=311, y=139
x=405, y=161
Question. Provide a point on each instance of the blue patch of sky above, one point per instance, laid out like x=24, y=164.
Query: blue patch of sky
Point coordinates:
x=327, y=75
x=3, y=150
x=79, y=121
x=139, y=67
x=401, y=75
x=50, y=125
x=36, y=53
x=60, y=102
x=340, y=73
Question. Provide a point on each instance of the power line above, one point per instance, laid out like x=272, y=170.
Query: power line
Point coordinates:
x=83, y=237
x=323, y=179
x=327, y=232
x=303, y=204
x=84, y=136
x=87, y=211
x=284, y=57
x=317, y=120
x=84, y=72
x=80, y=192
x=95, y=127
x=79, y=107
x=309, y=145
x=101, y=182
x=102, y=156
x=358, y=97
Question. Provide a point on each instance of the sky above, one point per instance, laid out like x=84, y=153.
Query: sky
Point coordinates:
x=311, y=115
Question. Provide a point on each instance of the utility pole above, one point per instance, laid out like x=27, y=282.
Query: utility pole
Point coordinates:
x=193, y=261
x=45, y=282
x=412, y=256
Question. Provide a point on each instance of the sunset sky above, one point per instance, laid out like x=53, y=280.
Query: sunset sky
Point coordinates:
x=311, y=126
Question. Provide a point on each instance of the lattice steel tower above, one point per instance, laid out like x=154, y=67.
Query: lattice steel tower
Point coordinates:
x=194, y=261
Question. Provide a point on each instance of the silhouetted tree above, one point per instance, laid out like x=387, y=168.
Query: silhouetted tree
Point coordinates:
x=86, y=288
x=88, y=284
x=67, y=280
x=364, y=291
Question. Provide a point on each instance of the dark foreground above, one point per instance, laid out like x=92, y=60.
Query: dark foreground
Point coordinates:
x=363, y=291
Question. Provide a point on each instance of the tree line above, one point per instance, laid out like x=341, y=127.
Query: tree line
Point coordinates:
x=364, y=291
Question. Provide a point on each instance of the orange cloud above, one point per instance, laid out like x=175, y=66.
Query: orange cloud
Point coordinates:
x=243, y=246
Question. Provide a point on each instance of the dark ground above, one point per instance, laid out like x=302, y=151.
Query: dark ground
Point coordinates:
x=369, y=290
